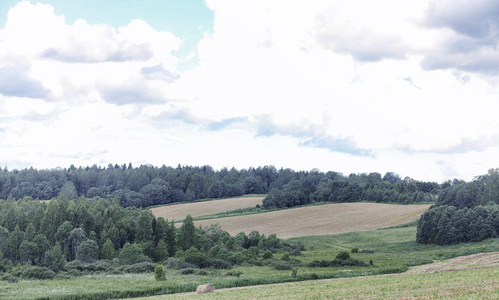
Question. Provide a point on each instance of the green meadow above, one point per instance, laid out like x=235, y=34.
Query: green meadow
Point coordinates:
x=385, y=251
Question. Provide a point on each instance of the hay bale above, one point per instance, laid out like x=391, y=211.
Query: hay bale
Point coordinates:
x=205, y=288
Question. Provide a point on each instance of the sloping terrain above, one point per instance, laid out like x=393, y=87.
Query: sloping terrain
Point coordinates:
x=468, y=280
x=197, y=209
x=321, y=219
x=475, y=261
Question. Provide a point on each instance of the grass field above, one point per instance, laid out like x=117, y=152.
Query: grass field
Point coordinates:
x=320, y=219
x=197, y=209
x=464, y=284
x=392, y=250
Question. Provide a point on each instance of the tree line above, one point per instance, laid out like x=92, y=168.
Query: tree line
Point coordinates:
x=464, y=212
x=147, y=185
x=64, y=233
x=140, y=187
x=310, y=187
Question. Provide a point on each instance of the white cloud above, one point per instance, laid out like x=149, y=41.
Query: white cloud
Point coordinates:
x=329, y=84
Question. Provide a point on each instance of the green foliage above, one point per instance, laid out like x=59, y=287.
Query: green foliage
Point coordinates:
x=130, y=254
x=36, y=272
x=141, y=267
x=267, y=255
x=159, y=273
x=444, y=225
x=54, y=259
x=108, y=251
x=196, y=257
x=87, y=251
x=187, y=234
x=343, y=255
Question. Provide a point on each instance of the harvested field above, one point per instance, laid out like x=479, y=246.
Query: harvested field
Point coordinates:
x=321, y=219
x=179, y=211
x=475, y=261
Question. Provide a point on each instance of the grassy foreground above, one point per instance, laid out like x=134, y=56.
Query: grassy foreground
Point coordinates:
x=464, y=284
x=391, y=250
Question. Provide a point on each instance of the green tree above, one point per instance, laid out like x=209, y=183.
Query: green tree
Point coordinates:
x=144, y=229
x=161, y=251
x=69, y=190
x=42, y=245
x=87, y=251
x=130, y=254
x=187, y=234
x=28, y=252
x=54, y=259
x=108, y=251
x=16, y=238
x=171, y=238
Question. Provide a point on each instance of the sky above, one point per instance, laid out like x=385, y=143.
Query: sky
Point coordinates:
x=400, y=86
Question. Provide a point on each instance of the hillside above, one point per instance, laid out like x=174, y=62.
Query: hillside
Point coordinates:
x=179, y=211
x=321, y=220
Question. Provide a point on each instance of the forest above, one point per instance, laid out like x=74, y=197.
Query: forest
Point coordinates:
x=464, y=212
x=39, y=240
x=147, y=185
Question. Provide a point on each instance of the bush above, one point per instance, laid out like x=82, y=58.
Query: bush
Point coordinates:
x=159, y=273
x=267, y=255
x=355, y=250
x=285, y=257
x=142, y=267
x=343, y=255
x=198, y=259
x=36, y=272
x=188, y=271
x=172, y=262
x=221, y=264
x=202, y=273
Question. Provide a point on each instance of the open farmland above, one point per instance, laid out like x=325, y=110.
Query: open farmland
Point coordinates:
x=321, y=219
x=179, y=211
x=464, y=284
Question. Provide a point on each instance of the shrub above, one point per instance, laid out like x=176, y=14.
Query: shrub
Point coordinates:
x=159, y=273
x=172, y=262
x=267, y=255
x=142, y=267
x=188, y=271
x=199, y=259
x=202, y=273
x=36, y=272
x=343, y=255
x=355, y=250
x=285, y=257
x=186, y=265
x=221, y=264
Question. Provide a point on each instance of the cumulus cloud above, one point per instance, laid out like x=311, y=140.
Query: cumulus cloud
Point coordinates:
x=364, y=45
x=158, y=72
x=472, y=37
x=15, y=81
x=135, y=93
x=366, y=37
